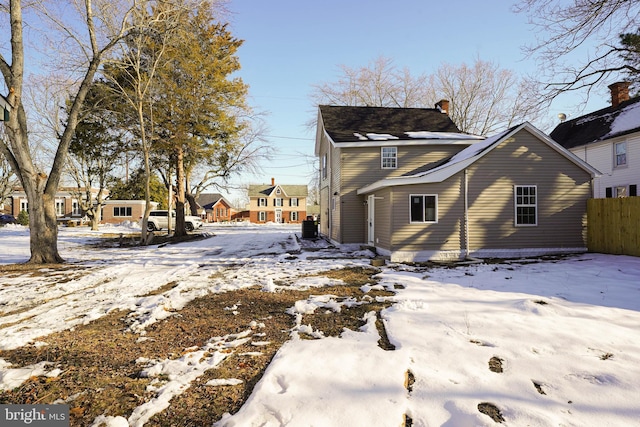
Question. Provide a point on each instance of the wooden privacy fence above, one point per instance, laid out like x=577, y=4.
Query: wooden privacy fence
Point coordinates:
x=613, y=225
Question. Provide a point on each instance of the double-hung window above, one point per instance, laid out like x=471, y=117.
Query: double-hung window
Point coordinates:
x=526, y=205
x=423, y=208
x=262, y=201
x=277, y=201
x=294, y=216
x=389, y=157
x=262, y=216
x=620, y=154
x=293, y=201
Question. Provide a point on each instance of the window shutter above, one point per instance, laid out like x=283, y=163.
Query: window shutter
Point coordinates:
x=609, y=192
x=633, y=190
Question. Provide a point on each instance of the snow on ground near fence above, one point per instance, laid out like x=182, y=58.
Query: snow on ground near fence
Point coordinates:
x=564, y=331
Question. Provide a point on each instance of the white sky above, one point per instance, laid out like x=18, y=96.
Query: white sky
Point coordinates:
x=568, y=325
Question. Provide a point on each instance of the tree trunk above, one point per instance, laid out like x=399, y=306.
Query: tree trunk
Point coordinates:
x=43, y=229
x=180, y=228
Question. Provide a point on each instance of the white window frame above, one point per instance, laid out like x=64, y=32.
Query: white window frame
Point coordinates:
x=389, y=157
x=122, y=211
x=278, y=201
x=620, y=156
x=262, y=201
x=620, y=191
x=294, y=201
x=262, y=216
x=523, y=201
x=294, y=216
x=75, y=208
x=60, y=207
x=424, y=219
x=24, y=206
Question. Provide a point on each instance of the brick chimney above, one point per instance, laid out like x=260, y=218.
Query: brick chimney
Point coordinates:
x=273, y=182
x=619, y=93
x=443, y=106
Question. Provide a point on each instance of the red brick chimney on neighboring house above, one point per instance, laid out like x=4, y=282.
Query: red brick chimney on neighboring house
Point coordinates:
x=443, y=106
x=619, y=93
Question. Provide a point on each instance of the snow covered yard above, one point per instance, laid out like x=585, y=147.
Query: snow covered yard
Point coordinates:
x=545, y=343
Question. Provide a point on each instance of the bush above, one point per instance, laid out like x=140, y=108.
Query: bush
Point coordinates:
x=23, y=218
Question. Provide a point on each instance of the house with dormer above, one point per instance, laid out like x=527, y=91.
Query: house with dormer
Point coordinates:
x=609, y=140
x=407, y=183
x=277, y=203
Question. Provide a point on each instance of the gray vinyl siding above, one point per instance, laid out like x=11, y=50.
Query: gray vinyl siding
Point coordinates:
x=562, y=192
x=362, y=166
x=384, y=205
x=445, y=235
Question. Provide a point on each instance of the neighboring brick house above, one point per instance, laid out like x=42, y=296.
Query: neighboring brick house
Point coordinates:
x=67, y=205
x=609, y=140
x=277, y=203
x=216, y=208
x=68, y=208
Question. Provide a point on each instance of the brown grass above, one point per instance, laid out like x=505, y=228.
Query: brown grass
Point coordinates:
x=98, y=361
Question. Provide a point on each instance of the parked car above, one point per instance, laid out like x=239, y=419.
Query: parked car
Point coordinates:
x=158, y=220
x=8, y=219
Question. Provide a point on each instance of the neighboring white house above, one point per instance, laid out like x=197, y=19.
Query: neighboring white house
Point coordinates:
x=609, y=140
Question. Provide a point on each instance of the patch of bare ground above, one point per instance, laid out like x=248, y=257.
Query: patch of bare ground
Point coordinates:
x=99, y=374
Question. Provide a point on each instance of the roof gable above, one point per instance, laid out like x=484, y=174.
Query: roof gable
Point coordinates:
x=600, y=125
x=270, y=190
x=347, y=123
x=441, y=171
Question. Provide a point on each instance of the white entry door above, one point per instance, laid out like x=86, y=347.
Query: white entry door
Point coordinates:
x=370, y=220
x=278, y=216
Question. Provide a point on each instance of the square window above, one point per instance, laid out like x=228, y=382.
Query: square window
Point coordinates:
x=389, y=157
x=424, y=208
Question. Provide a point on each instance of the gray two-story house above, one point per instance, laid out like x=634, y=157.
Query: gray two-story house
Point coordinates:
x=407, y=182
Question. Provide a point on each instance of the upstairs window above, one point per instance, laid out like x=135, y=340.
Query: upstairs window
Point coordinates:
x=389, y=157
x=621, y=154
x=424, y=208
x=526, y=205
x=262, y=201
x=293, y=201
x=277, y=202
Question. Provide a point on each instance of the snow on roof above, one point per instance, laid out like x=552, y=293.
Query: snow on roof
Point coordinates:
x=424, y=134
x=381, y=136
x=626, y=120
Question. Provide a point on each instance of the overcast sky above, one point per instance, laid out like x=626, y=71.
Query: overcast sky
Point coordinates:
x=290, y=45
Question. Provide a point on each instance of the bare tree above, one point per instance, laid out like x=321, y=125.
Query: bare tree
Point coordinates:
x=483, y=97
x=88, y=33
x=379, y=84
x=578, y=42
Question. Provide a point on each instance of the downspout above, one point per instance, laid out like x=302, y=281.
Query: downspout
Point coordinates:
x=466, y=213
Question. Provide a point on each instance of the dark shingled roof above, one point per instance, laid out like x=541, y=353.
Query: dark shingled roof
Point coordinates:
x=341, y=123
x=595, y=126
